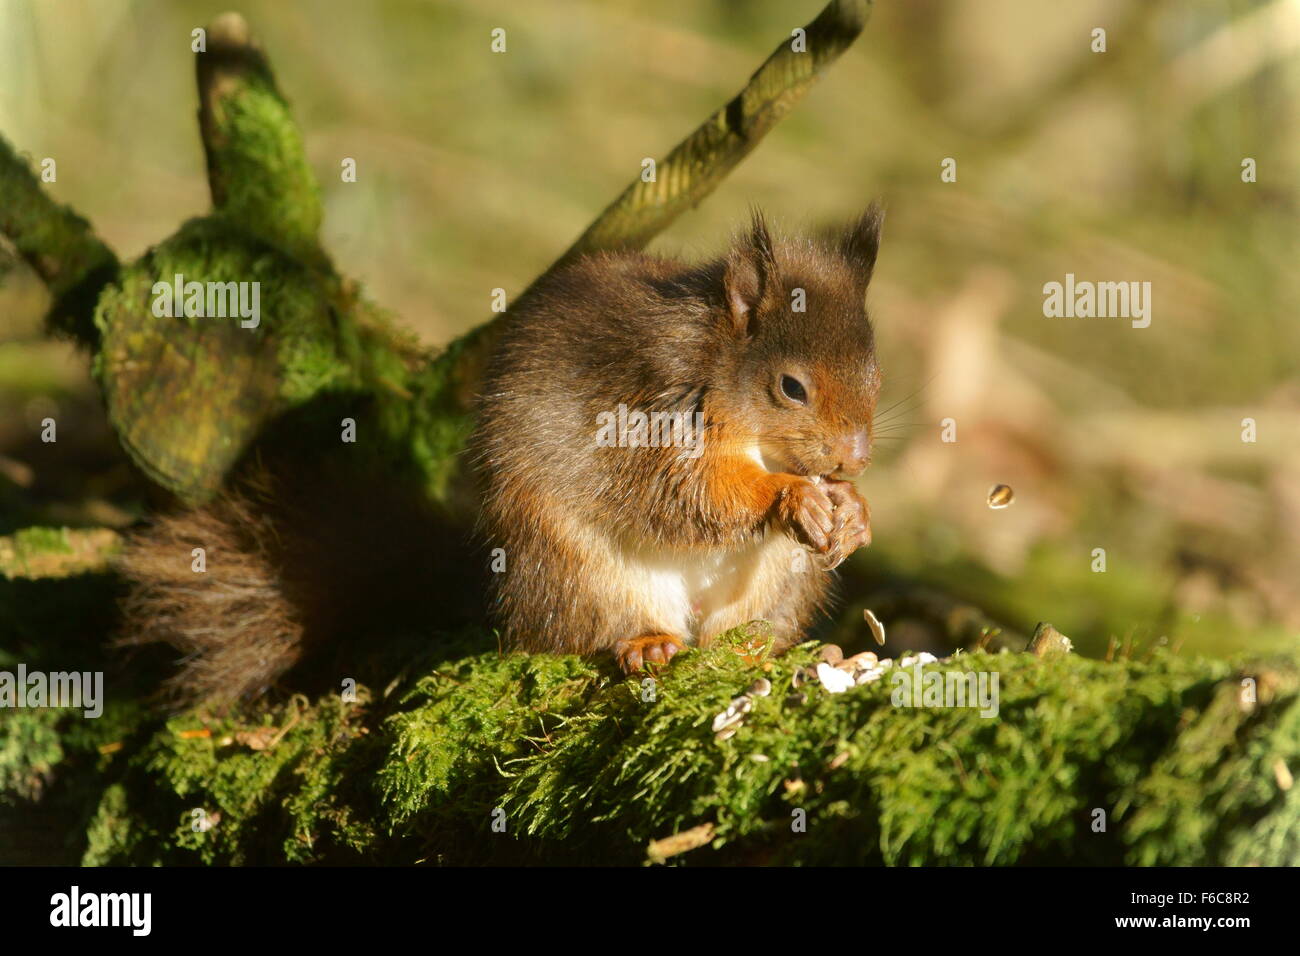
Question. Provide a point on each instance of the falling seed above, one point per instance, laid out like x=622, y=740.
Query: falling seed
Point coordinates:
x=760, y=688
x=840, y=760
x=873, y=622
x=1000, y=496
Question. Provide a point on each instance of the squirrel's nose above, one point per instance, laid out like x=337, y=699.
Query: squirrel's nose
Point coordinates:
x=853, y=451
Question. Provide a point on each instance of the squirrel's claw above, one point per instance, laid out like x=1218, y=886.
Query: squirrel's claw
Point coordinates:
x=634, y=653
x=852, y=527
x=806, y=511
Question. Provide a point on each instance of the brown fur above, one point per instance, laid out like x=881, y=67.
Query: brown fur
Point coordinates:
x=321, y=559
x=587, y=530
x=234, y=625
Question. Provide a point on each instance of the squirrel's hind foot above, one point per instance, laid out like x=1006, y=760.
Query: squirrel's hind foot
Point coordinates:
x=634, y=653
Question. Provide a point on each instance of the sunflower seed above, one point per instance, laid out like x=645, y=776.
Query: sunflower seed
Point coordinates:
x=1000, y=496
x=873, y=622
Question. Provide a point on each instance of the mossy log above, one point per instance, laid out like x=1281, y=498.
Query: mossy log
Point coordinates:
x=514, y=759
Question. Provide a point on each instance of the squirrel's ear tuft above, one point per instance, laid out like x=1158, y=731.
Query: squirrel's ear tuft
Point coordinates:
x=750, y=280
x=862, y=241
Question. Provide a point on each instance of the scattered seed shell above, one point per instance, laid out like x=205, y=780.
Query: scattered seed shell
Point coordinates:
x=831, y=653
x=733, y=715
x=760, y=688
x=834, y=680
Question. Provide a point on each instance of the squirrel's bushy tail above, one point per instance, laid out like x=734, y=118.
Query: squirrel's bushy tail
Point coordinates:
x=300, y=565
x=209, y=582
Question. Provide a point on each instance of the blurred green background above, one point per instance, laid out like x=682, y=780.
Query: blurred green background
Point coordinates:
x=475, y=170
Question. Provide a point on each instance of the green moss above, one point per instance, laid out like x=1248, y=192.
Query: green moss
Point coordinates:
x=257, y=167
x=58, y=244
x=46, y=553
x=30, y=748
x=579, y=766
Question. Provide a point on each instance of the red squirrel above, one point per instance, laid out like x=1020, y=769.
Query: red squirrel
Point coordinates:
x=634, y=536
x=657, y=442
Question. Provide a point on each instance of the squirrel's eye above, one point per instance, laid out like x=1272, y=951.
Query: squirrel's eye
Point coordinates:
x=793, y=389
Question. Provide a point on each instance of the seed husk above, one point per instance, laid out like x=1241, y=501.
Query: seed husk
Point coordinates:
x=835, y=681
x=831, y=653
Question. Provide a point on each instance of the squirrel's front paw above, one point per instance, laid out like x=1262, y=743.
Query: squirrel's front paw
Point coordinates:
x=852, y=522
x=805, y=511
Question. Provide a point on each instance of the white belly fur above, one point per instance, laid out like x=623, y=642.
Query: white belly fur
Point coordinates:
x=684, y=589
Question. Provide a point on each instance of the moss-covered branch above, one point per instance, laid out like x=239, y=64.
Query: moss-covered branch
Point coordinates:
x=58, y=244
x=696, y=166
x=42, y=553
x=575, y=767
x=257, y=169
